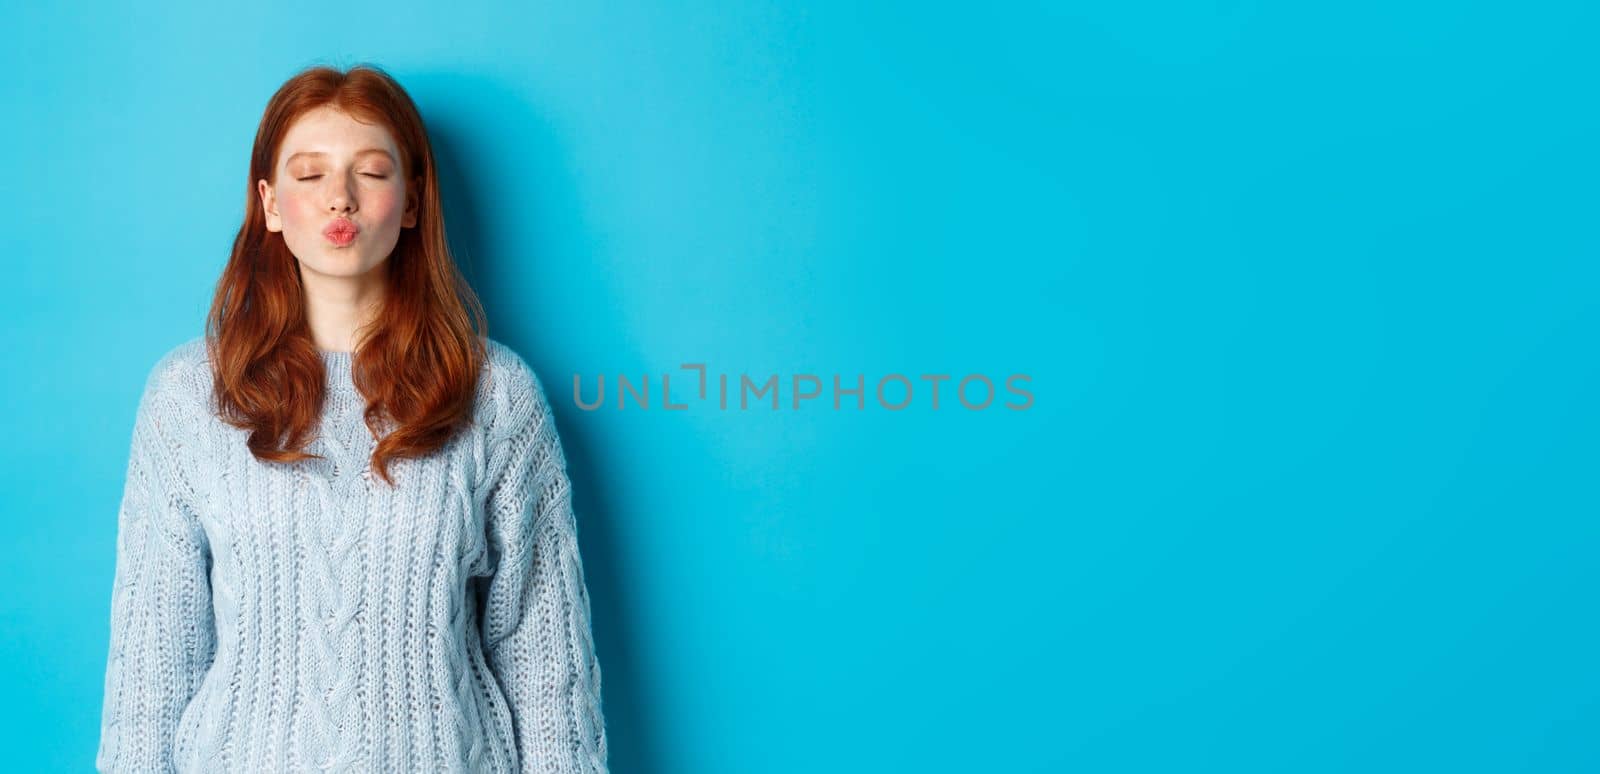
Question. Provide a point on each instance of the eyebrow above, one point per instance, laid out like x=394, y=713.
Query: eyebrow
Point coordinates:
x=362, y=152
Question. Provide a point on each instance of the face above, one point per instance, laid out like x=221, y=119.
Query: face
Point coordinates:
x=333, y=169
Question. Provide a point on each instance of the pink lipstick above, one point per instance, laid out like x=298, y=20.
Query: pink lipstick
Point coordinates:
x=341, y=231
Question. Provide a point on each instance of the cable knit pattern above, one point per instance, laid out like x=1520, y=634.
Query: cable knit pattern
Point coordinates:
x=306, y=617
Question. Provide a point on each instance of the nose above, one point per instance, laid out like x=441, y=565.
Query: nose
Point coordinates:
x=342, y=199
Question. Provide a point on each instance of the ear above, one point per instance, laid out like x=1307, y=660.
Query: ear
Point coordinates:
x=413, y=203
x=269, y=205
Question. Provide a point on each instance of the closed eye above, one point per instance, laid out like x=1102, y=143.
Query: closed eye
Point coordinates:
x=365, y=174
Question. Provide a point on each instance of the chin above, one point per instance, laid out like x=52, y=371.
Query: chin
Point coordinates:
x=352, y=266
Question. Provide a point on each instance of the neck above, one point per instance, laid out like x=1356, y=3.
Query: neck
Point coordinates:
x=337, y=308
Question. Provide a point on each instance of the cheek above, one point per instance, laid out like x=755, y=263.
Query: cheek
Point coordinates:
x=384, y=205
x=296, y=209
x=307, y=210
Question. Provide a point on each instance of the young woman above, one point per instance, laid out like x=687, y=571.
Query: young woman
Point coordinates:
x=346, y=541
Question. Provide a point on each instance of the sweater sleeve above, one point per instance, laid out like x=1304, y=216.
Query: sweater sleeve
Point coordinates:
x=536, y=630
x=162, y=634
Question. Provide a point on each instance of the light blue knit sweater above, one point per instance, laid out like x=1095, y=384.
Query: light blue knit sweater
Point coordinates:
x=272, y=617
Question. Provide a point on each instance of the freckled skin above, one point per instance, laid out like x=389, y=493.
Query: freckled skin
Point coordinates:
x=301, y=208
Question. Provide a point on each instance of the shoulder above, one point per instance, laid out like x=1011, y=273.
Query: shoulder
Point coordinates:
x=512, y=393
x=181, y=376
x=506, y=367
x=170, y=423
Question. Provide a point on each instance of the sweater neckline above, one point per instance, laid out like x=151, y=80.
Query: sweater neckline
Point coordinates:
x=337, y=365
x=336, y=358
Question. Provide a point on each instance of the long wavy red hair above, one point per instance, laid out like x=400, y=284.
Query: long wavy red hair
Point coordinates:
x=417, y=364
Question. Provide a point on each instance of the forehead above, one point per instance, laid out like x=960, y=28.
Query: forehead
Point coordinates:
x=325, y=132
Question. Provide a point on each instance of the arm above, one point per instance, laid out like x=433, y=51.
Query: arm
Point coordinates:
x=162, y=634
x=536, y=630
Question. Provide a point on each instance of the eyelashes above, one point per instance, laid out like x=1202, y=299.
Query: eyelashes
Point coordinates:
x=364, y=174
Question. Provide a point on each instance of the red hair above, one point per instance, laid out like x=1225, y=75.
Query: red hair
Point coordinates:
x=417, y=364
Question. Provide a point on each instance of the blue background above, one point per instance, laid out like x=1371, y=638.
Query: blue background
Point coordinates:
x=1307, y=293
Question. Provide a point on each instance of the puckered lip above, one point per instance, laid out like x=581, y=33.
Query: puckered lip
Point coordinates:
x=341, y=226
